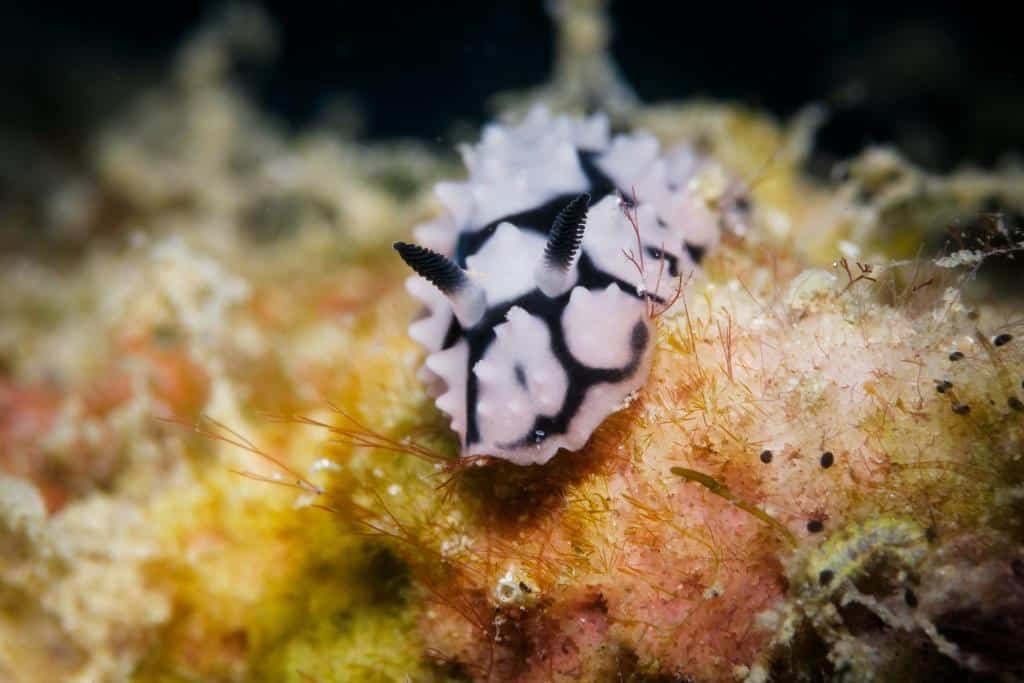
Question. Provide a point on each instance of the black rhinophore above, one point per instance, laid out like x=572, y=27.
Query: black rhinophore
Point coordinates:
x=567, y=233
x=439, y=269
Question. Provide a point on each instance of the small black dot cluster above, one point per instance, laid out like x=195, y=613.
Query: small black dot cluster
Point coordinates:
x=944, y=386
x=961, y=409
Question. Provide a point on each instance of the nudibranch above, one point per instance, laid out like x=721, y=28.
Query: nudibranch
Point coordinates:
x=538, y=279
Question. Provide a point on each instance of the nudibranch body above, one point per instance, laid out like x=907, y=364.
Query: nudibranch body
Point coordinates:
x=538, y=277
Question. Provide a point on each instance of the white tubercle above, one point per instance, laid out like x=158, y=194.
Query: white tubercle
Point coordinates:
x=458, y=199
x=516, y=168
x=430, y=329
x=451, y=366
x=599, y=325
x=628, y=157
x=501, y=265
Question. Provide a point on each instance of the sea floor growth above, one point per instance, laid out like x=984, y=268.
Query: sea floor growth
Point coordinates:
x=218, y=463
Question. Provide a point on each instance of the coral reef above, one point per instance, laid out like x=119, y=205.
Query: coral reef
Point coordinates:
x=219, y=463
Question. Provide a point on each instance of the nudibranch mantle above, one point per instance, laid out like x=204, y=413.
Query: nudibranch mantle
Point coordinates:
x=537, y=318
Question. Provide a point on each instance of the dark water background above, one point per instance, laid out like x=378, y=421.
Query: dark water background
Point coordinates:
x=944, y=82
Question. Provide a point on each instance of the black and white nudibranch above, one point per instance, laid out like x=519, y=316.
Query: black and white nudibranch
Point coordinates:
x=537, y=321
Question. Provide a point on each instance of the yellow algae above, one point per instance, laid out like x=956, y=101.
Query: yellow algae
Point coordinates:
x=77, y=605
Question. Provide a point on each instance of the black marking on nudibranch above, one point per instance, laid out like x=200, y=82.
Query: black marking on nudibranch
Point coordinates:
x=695, y=251
x=583, y=378
x=520, y=374
x=670, y=259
